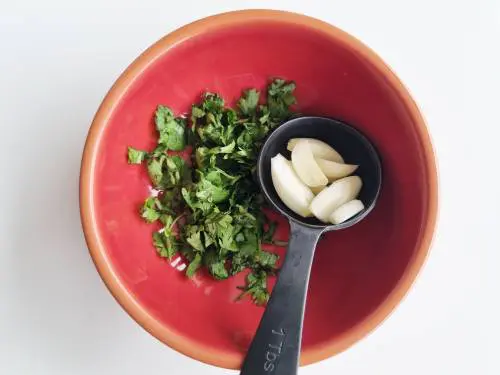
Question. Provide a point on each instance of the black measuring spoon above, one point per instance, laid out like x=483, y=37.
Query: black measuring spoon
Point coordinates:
x=275, y=348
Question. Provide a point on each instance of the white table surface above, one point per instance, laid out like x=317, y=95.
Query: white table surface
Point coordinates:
x=58, y=59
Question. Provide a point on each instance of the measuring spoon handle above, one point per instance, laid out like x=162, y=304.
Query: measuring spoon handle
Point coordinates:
x=275, y=348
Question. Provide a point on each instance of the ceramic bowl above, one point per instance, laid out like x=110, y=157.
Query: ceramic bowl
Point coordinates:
x=359, y=275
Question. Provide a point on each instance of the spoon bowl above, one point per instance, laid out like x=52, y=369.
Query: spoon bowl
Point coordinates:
x=276, y=345
x=349, y=142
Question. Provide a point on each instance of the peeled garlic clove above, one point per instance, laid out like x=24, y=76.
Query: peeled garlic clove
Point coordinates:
x=346, y=211
x=333, y=170
x=334, y=196
x=291, y=190
x=305, y=165
x=317, y=189
x=319, y=149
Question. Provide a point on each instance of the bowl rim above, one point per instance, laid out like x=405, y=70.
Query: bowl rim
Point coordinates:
x=125, y=298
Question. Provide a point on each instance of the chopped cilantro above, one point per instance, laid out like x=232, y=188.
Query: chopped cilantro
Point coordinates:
x=217, y=198
x=155, y=171
x=149, y=210
x=271, y=228
x=256, y=287
x=165, y=243
x=136, y=156
x=194, y=265
x=171, y=129
x=248, y=102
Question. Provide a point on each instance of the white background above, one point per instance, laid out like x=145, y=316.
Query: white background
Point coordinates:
x=58, y=59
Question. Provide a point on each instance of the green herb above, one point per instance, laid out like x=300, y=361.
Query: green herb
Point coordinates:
x=149, y=211
x=165, y=243
x=267, y=260
x=136, y=156
x=216, y=265
x=194, y=265
x=280, y=98
x=248, y=102
x=271, y=228
x=170, y=201
x=165, y=240
x=256, y=287
x=155, y=170
x=167, y=172
x=223, y=226
x=171, y=129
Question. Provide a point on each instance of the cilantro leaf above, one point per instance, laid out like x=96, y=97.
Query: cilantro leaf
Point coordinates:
x=227, y=149
x=176, y=171
x=196, y=205
x=238, y=263
x=136, y=156
x=197, y=112
x=175, y=132
x=172, y=130
x=279, y=98
x=215, y=265
x=160, y=150
x=256, y=287
x=165, y=243
x=194, y=265
x=267, y=260
x=269, y=233
x=170, y=201
x=149, y=210
x=248, y=102
x=194, y=239
x=155, y=171
x=208, y=191
x=165, y=240
x=212, y=103
x=163, y=116
x=167, y=172
x=218, y=270
x=250, y=245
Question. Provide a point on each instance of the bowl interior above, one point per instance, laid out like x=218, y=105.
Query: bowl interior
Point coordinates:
x=355, y=269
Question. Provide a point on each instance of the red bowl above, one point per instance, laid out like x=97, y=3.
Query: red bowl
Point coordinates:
x=360, y=274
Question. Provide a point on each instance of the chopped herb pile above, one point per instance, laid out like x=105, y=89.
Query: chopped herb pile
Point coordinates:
x=216, y=201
